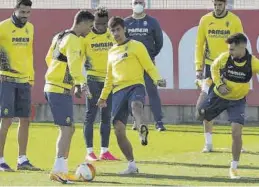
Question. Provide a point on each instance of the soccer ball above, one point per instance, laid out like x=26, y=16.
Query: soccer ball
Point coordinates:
x=85, y=172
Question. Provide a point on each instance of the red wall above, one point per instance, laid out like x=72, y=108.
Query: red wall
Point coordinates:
x=174, y=22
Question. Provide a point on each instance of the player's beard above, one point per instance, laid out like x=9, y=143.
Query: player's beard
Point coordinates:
x=23, y=20
x=220, y=13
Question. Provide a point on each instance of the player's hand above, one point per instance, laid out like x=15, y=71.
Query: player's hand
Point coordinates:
x=31, y=82
x=86, y=90
x=101, y=103
x=161, y=83
x=199, y=75
x=223, y=89
x=78, y=91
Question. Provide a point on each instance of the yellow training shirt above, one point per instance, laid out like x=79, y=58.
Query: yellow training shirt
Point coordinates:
x=126, y=65
x=96, y=52
x=16, y=51
x=65, y=63
x=211, y=36
x=238, y=90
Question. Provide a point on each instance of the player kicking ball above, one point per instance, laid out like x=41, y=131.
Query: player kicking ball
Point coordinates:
x=65, y=65
x=127, y=61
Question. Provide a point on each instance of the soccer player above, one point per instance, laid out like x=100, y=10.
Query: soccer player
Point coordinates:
x=127, y=61
x=16, y=79
x=97, y=43
x=231, y=73
x=146, y=29
x=65, y=65
x=213, y=30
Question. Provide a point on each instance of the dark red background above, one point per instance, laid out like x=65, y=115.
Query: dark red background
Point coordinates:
x=174, y=22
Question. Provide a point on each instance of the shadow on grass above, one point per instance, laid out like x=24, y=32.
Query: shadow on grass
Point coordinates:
x=186, y=178
x=196, y=165
x=100, y=182
x=201, y=132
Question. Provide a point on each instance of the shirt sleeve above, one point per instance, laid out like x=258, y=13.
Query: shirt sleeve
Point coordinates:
x=108, y=83
x=74, y=59
x=30, y=60
x=255, y=64
x=49, y=55
x=199, y=47
x=158, y=37
x=146, y=62
x=215, y=68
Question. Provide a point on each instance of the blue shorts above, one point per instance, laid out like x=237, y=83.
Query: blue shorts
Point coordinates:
x=15, y=100
x=122, y=99
x=61, y=106
x=214, y=105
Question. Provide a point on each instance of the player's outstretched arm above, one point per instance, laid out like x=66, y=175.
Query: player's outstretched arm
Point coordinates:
x=30, y=62
x=199, y=50
x=147, y=64
x=108, y=83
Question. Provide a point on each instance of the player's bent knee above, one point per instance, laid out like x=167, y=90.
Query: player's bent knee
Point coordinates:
x=119, y=128
x=200, y=114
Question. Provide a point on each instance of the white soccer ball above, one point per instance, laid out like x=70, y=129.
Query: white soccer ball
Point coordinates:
x=85, y=172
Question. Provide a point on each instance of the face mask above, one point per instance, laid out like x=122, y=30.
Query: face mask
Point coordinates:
x=138, y=8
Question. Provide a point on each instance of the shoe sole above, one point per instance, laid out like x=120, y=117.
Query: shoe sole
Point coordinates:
x=59, y=179
x=132, y=173
x=144, y=134
x=7, y=170
x=160, y=130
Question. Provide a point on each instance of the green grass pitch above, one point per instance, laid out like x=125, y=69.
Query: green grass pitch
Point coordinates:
x=172, y=158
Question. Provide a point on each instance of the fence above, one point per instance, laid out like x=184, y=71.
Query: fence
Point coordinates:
x=125, y=4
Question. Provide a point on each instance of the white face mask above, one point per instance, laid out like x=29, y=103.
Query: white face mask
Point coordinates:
x=138, y=8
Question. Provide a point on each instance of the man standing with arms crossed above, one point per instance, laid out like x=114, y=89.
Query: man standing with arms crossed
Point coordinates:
x=65, y=71
x=146, y=29
x=97, y=43
x=213, y=30
x=16, y=79
x=127, y=61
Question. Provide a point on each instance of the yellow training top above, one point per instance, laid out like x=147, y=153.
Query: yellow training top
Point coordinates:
x=65, y=63
x=16, y=51
x=211, y=36
x=96, y=52
x=126, y=65
x=236, y=75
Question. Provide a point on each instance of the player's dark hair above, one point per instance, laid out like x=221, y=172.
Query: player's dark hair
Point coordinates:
x=115, y=21
x=237, y=39
x=23, y=2
x=101, y=12
x=83, y=15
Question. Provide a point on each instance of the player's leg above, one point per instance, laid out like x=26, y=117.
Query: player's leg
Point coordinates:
x=22, y=111
x=7, y=97
x=236, y=113
x=90, y=117
x=120, y=112
x=61, y=106
x=105, y=129
x=211, y=107
x=136, y=103
x=155, y=102
x=206, y=87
